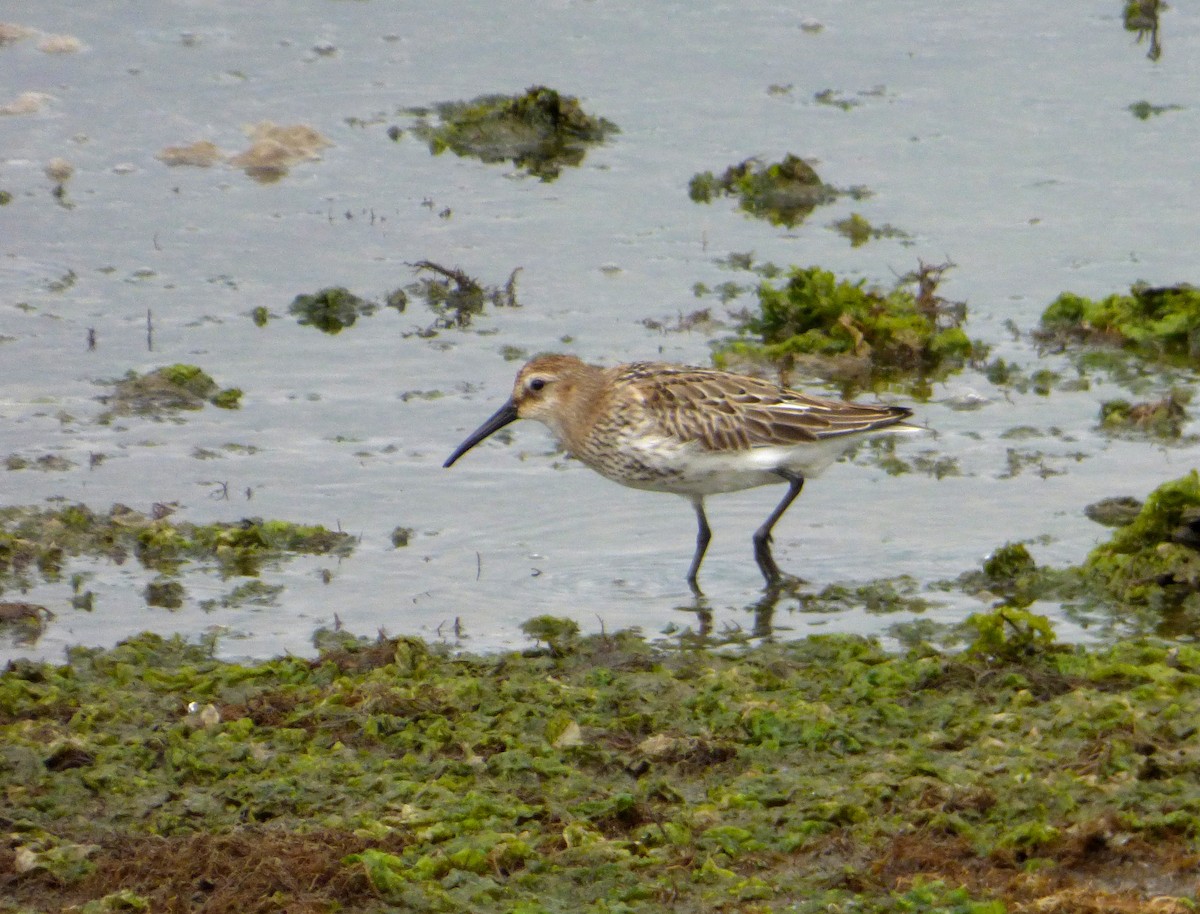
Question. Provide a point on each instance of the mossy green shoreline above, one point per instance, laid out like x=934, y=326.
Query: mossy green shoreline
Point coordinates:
x=605, y=775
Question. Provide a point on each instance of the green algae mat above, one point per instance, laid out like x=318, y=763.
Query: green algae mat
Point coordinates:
x=605, y=774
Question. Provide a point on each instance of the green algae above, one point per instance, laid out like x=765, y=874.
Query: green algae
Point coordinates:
x=46, y=463
x=859, y=231
x=1041, y=464
x=22, y=622
x=165, y=593
x=925, y=897
x=454, y=297
x=1143, y=110
x=41, y=540
x=784, y=193
x=1009, y=635
x=1160, y=323
x=881, y=452
x=1160, y=419
x=848, y=332
x=251, y=593
x=540, y=131
x=885, y=595
x=1142, y=18
x=165, y=391
x=820, y=775
x=559, y=635
x=1145, y=577
x=1011, y=575
x=835, y=99
x=1040, y=381
x=1154, y=561
x=331, y=310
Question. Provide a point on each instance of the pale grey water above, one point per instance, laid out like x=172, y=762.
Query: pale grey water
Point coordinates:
x=997, y=135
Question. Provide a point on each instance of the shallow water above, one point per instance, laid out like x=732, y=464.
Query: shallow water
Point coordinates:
x=999, y=138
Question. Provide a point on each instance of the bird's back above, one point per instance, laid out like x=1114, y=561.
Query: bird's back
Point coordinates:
x=721, y=411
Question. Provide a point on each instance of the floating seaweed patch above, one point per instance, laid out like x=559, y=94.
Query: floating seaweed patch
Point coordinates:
x=331, y=310
x=539, y=131
x=45, y=462
x=859, y=231
x=1114, y=511
x=1159, y=419
x=1155, y=560
x=166, y=391
x=42, y=540
x=878, y=597
x=1147, y=574
x=853, y=334
x=1144, y=110
x=22, y=621
x=1159, y=323
x=455, y=298
x=1142, y=18
x=784, y=192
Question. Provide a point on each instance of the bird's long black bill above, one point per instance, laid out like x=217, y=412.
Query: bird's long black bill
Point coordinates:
x=503, y=416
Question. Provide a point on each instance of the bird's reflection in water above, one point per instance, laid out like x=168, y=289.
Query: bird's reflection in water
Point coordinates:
x=761, y=627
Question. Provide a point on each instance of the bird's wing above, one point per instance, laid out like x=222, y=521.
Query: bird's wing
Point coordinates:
x=728, y=412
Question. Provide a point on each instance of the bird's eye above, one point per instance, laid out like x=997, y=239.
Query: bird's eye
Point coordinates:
x=537, y=383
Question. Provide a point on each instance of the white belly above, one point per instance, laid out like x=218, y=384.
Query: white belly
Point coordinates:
x=665, y=465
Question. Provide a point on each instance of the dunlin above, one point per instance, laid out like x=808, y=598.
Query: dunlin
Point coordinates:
x=690, y=431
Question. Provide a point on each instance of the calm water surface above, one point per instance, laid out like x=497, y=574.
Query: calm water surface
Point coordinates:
x=997, y=136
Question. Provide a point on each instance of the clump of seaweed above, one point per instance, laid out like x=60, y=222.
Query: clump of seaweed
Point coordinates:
x=859, y=231
x=1011, y=575
x=1115, y=511
x=455, y=298
x=1142, y=18
x=878, y=597
x=167, y=390
x=1148, y=571
x=1011, y=635
x=1144, y=110
x=1161, y=419
x=783, y=192
x=539, y=131
x=42, y=539
x=331, y=310
x=1155, y=560
x=22, y=621
x=1160, y=323
x=44, y=462
x=853, y=334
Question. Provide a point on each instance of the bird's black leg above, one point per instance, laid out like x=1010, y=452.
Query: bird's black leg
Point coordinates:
x=703, y=535
x=762, y=536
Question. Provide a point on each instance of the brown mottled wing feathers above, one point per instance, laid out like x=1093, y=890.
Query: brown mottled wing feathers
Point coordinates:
x=725, y=412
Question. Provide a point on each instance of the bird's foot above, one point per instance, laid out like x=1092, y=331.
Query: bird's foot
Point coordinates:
x=783, y=584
